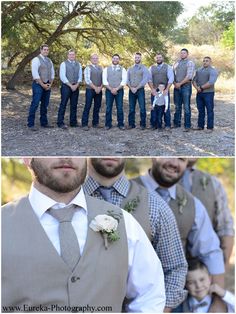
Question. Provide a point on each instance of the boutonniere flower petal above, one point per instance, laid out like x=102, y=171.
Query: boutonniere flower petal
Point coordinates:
x=107, y=226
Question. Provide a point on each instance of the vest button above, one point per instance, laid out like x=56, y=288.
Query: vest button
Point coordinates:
x=74, y=279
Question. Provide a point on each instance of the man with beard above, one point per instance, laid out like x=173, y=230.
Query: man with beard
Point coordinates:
x=107, y=181
x=183, y=71
x=137, y=78
x=208, y=189
x=197, y=235
x=114, y=78
x=161, y=73
x=63, y=251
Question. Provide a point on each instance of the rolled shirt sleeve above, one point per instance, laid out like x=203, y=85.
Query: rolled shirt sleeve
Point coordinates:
x=170, y=75
x=190, y=70
x=62, y=74
x=145, y=283
x=87, y=72
x=224, y=219
x=203, y=241
x=124, y=77
x=213, y=76
x=104, y=77
x=35, y=68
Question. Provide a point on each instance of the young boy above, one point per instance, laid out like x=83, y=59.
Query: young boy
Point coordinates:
x=200, y=290
x=159, y=106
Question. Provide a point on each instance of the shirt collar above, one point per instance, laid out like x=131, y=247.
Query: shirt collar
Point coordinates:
x=41, y=202
x=122, y=185
x=152, y=185
x=192, y=302
x=42, y=56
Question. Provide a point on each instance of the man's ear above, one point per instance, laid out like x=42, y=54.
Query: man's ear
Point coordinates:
x=27, y=161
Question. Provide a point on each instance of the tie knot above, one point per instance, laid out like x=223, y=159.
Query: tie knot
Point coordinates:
x=164, y=193
x=106, y=192
x=64, y=214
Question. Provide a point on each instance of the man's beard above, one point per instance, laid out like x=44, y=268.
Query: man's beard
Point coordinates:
x=63, y=184
x=106, y=170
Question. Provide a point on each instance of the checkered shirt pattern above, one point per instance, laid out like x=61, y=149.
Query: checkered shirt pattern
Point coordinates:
x=165, y=237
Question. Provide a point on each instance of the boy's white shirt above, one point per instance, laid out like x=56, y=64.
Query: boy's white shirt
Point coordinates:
x=229, y=299
x=165, y=97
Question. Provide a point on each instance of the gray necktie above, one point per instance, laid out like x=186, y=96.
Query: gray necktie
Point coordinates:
x=106, y=193
x=70, y=251
x=164, y=193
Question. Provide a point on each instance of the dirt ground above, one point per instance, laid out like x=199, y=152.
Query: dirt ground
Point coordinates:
x=17, y=140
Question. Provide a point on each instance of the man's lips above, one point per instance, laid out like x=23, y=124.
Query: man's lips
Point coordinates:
x=65, y=166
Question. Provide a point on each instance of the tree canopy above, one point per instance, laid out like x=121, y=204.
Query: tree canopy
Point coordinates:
x=105, y=26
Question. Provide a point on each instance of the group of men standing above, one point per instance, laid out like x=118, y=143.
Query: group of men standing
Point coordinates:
x=114, y=78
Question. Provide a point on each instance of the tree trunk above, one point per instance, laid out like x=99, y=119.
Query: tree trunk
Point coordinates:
x=15, y=78
x=9, y=63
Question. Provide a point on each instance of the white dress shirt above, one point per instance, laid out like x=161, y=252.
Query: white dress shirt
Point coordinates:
x=202, y=239
x=63, y=77
x=35, y=64
x=145, y=282
x=117, y=67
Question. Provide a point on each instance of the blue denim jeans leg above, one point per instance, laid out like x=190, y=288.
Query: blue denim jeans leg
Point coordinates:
x=119, y=107
x=91, y=95
x=167, y=115
x=182, y=96
x=39, y=95
x=140, y=96
x=205, y=103
x=68, y=94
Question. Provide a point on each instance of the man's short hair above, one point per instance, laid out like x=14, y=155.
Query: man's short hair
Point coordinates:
x=43, y=46
x=138, y=53
x=116, y=55
x=207, y=58
x=71, y=50
x=184, y=49
x=195, y=263
x=159, y=53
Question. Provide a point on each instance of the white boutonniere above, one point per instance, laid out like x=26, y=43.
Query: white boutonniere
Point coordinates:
x=107, y=226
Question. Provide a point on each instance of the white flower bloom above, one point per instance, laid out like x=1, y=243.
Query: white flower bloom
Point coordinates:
x=104, y=223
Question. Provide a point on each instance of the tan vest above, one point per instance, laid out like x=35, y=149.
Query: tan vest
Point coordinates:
x=34, y=274
x=141, y=211
x=183, y=208
x=45, y=69
x=114, y=77
x=203, y=189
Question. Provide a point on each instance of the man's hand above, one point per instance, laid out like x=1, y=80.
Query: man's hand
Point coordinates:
x=214, y=288
x=114, y=90
x=154, y=92
x=177, y=85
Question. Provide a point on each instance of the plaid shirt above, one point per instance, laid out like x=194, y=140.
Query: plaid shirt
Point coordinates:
x=165, y=237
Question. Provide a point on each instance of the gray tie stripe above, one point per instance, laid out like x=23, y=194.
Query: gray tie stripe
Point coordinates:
x=70, y=250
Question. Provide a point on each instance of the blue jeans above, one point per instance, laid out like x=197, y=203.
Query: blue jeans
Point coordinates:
x=66, y=94
x=90, y=94
x=167, y=117
x=119, y=107
x=140, y=96
x=182, y=96
x=39, y=95
x=205, y=102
